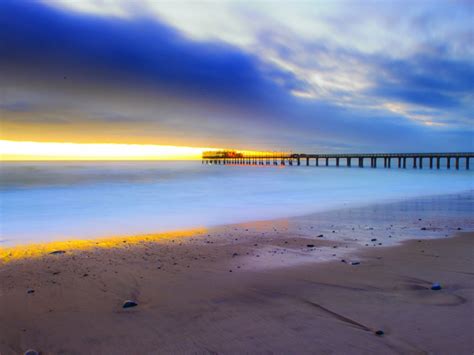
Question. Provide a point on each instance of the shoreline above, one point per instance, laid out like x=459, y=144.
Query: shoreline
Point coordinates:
x=32, y=250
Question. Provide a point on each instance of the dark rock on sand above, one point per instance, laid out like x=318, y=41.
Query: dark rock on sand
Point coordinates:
x=320, y=236
x=30, y=290
x=423, y=228
x=31, y=352
x=57, y=252
x=373, y=240
x=129, y=304
x=355, y=263
x=436, y=286
x=235, y=254
x=310, y=245
x=379, y=333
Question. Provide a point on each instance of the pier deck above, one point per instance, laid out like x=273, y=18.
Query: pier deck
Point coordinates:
x=348, y=159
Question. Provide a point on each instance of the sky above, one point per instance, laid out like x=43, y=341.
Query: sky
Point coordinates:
x=302, y=76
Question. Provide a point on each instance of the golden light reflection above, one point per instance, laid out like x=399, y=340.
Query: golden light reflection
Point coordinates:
x=9, y=254
x=17, y=150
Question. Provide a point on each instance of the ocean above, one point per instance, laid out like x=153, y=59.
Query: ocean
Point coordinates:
x=46, y=201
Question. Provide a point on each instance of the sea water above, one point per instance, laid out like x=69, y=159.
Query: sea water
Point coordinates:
x=44, y=201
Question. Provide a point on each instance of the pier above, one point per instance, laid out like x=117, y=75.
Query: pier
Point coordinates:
x=374, y=160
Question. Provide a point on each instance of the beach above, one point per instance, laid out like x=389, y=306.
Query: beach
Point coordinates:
x=236, y=177
x=322, y=283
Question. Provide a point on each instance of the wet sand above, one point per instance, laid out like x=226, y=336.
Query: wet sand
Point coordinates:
x=256, y=288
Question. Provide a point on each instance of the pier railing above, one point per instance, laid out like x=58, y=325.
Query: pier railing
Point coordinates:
x=281, y=158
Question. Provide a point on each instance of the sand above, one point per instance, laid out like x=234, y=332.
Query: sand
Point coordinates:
x=255, y=288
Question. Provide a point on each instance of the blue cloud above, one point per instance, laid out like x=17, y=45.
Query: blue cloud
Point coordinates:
x=226, y=91
x=60, y=46
x=428, y=79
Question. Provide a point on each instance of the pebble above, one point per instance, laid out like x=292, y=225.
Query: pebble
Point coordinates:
x=379, y=333
x=355, y=263
x=436, y=286
x=31, y=352
x=30, y=290
x=57, y=252
x=320, y=236
x=129, y=304
x=310, y=245
x=373, y=239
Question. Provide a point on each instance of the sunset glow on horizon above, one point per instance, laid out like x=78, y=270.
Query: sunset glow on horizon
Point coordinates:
x=24, y=150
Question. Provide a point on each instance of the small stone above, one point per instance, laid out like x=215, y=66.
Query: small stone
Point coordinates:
x=379, y=333
x=373, y=240
x=235, y=254
x=129, y=304
x=30, y=290
x=310, y=245
x=436, y=286
x=343, y=260
x=31, y=352
x=423, y=228
x=355, y=263
x=320, y=236
x=459, y=228
x=57, y=252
